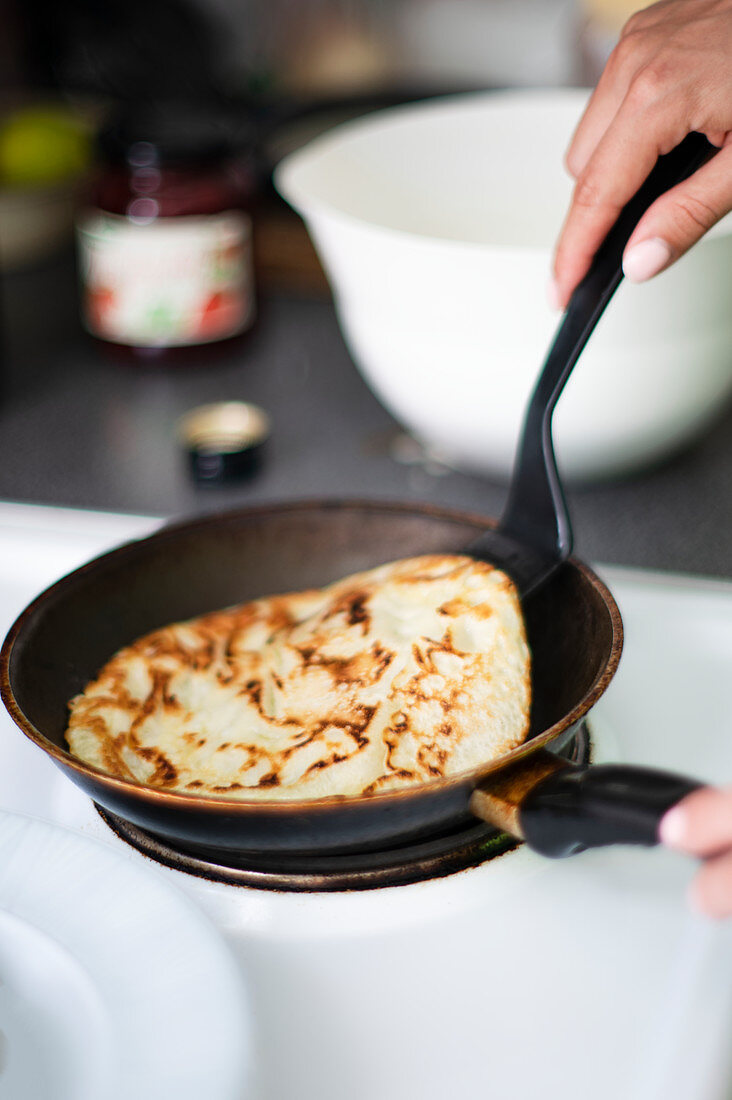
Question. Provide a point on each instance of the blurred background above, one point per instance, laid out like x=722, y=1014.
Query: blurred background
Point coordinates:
x=278, y=71
x=148, y=266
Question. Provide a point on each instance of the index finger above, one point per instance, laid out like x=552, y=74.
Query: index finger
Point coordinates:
x=701, y=824
x=600, y=110
x=620, y=163
x=627, y=58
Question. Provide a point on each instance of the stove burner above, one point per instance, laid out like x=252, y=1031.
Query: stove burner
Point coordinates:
x=461, y=848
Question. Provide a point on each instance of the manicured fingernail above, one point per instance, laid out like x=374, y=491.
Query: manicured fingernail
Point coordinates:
x=646, y=259
x=552, y=295
x=672, y=829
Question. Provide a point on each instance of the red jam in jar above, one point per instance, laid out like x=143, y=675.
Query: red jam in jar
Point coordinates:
x=165, y=249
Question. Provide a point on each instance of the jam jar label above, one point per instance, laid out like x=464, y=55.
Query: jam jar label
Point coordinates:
x=169, y=282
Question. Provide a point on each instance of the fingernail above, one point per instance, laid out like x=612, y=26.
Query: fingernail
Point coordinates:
x=552, y=295
x=672, y=829
x=646, y=259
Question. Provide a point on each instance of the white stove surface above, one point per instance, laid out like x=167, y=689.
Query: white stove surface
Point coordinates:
x=519, y=979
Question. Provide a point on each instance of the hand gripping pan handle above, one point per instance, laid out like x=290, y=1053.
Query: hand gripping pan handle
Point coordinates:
x=534, y=535
x=559, y=808
x=596, y=806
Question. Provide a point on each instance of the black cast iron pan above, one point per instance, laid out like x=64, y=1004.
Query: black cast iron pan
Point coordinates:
x=61, y=641
x=574, y=629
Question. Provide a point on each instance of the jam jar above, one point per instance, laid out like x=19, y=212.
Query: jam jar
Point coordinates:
x=165, y=241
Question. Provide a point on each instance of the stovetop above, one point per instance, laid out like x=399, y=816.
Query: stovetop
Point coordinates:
x=517, y=978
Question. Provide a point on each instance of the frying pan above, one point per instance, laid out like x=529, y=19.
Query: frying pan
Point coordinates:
x=61, y=641
x=574, y=630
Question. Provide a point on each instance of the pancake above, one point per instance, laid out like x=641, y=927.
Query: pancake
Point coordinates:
x=402, y=674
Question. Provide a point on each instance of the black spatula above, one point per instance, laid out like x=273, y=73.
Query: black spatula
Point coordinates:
x=534, y=534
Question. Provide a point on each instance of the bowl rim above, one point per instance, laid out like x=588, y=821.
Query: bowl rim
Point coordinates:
x=287, y=172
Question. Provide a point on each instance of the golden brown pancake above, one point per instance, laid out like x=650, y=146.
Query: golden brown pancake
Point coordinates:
x=395, y=676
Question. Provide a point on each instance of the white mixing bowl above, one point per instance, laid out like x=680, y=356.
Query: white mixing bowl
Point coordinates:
x=435, y=223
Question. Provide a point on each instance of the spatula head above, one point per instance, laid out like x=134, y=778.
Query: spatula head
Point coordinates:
x=525, y=565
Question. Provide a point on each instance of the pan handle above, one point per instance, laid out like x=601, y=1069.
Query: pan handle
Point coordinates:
x=581, y=808
x=559, y=808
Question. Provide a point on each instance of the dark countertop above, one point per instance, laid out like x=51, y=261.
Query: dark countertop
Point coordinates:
x=77, y=429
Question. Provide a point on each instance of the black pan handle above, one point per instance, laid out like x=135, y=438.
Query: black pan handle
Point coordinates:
x=578, y=808
x=536, y=512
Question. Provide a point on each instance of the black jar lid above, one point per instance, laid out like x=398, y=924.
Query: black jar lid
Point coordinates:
x=224, y=441
x=174, y=132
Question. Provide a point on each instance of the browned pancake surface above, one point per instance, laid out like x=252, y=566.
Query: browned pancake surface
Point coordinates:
x=414, y=670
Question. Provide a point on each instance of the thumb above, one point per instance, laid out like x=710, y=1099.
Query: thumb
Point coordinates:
x=680, y=218
x=700, y=824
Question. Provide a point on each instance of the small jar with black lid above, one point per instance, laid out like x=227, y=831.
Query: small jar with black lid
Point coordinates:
x=165, y=245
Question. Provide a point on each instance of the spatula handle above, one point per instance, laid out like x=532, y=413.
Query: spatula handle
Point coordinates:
x=536, y=513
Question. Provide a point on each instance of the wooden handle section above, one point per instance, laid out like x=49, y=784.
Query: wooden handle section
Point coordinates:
x=499, y=798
